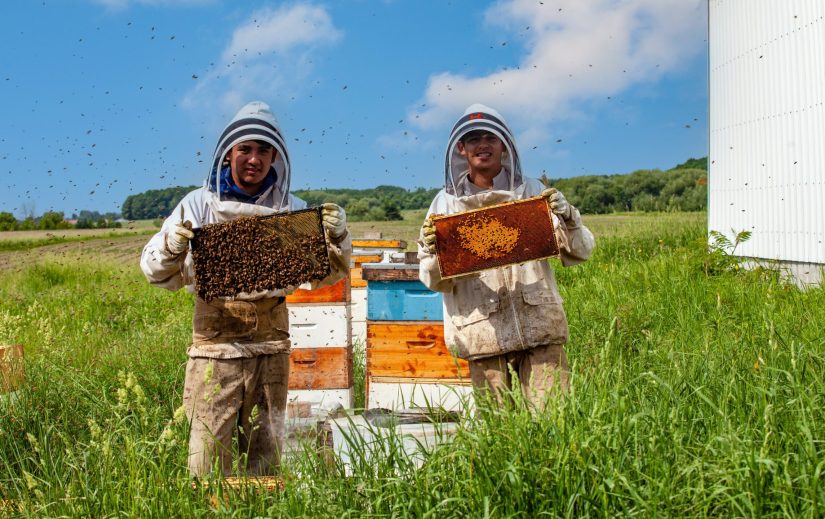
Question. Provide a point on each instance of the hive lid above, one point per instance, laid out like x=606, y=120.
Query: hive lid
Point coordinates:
x=494, y=236
x=259, y=253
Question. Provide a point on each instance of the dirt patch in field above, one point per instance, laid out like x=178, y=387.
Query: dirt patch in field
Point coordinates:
x=113, y=250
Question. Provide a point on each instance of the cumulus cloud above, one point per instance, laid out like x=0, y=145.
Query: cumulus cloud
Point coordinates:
x=268, y=55
x=574, y=51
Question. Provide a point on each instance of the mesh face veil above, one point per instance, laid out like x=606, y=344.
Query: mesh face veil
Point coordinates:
x=480, y=117
x=253, y=122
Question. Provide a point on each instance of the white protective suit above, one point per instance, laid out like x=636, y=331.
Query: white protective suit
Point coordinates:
x=239, y=357
x=507, y=309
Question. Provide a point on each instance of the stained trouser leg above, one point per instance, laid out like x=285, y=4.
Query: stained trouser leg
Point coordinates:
x=544, y=372
x=491, y=374
x=211, y=397
x=263, y=430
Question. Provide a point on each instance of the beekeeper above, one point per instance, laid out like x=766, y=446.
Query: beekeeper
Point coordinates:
x=507, y=318
x=238, y=367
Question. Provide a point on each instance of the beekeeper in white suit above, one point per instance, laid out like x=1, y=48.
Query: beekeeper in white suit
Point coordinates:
x=507, y=318
x=238, y=368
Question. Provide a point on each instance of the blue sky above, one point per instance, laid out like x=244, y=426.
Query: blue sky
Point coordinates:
x=106, y=98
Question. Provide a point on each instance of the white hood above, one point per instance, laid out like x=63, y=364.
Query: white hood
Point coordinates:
x=480, y=117
x=255, y=121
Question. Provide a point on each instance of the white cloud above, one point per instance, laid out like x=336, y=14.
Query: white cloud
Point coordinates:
x=269, y=55
x=280, y=31
x=575, y=51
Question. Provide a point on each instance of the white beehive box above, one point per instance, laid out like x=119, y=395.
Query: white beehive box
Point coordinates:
x=319, y=325
x=354, y=436
x=395, y=394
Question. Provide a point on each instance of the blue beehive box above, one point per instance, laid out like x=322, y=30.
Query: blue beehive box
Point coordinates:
x=402, y=301
x=394, y=293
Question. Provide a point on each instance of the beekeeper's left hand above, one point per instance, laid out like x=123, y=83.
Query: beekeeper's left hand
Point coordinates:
x=558, y=203
x=334, y=220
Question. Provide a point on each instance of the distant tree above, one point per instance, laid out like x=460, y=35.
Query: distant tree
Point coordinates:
x=155, y=203
x=391, y=210
x=52, y=220
x=701, y=163
x=7, y=221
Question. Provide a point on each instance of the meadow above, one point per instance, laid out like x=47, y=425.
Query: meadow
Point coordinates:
x=697, y=391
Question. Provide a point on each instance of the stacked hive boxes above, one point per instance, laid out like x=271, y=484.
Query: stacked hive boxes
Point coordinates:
x=367, y=250
x=320, y=371
x=408, y=363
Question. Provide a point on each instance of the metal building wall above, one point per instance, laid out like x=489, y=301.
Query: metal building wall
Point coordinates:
x=767, y=128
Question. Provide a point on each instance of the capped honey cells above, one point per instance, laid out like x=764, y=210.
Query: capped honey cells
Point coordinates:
x=253, y=254
x=494, y=236
x=487, y=237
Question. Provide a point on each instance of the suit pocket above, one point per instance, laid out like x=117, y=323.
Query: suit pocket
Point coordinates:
x=474, y=302
x=542, y=317
x=471, y=315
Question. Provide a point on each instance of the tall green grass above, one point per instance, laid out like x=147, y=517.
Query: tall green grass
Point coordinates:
x=697, y=391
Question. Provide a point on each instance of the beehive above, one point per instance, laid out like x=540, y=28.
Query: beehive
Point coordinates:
x=408, y=362
x=11, y=368
x=358, y=295
x=371, y=248
x=354, y=438
x=259, y=253
x=320, y=377
x=494, y=236
x=377, y=245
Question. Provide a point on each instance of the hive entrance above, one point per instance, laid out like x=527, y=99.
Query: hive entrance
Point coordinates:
x=259, y=253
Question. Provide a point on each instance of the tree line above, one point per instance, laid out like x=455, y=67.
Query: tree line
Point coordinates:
x=54, y=220
x=683, y=188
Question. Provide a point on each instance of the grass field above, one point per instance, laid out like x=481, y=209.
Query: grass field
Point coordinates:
x=697, y=391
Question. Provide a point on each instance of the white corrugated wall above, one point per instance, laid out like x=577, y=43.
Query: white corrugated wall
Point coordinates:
x=767, y=126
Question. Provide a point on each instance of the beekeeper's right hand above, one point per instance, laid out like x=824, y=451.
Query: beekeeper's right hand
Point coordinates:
x=428, y=235
x=177, y=240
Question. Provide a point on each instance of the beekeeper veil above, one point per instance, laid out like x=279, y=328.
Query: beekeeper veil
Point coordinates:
x=480, y=117
x=254, y=122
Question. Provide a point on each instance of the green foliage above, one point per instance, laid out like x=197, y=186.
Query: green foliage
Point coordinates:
x=701, y=163
x=684, y=188
x=721, y=251
x=7, y=221
x=693, y=394
x=382, y=203
x=155, y=203
x=680, y=189
x=52, y=220
x=94, y=220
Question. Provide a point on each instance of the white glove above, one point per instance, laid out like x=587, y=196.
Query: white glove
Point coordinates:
x=334, y=220
x=558, y=204
x=177, y=240
x=428, y=235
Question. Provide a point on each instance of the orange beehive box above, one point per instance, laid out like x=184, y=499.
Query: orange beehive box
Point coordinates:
x=11, y=368
x=337, y=293
x=378, y=243
x=411, y=350
x=494, y=236
x=320, y=368
x=358, y=260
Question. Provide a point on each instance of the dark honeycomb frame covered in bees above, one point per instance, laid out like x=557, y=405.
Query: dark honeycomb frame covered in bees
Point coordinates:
x=259, y=253
x=494, y=236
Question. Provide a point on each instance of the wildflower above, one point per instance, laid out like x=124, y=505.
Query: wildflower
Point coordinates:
x=33, y=442
x=31, y=482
